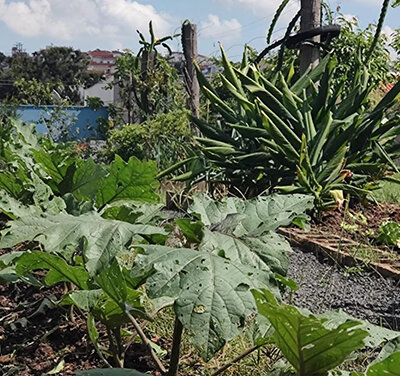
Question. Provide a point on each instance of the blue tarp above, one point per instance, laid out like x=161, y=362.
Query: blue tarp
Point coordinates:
x=79, y=122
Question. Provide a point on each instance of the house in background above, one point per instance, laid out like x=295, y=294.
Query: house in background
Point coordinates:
x=109, y=95
x=102, y=61
x=207, y=66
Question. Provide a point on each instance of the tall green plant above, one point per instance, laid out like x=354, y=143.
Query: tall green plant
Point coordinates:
x=297, y=136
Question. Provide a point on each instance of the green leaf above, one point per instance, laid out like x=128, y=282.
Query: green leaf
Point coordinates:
x=212, y=292
x=390, y=366
x=110, y=313
x=376, y=334
x=86, y=179
x=84, y=299
x=54, y=164
x=193, y=231
x=63, y=233
x=112, y=281
x=134, y=181
x=58, y=269
x=310, y=348
x=261, y=215
x=132, y=212
x=269, y=251
x=13, y=208
x=389, y=233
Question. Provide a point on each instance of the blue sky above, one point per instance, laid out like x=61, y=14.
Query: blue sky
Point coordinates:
x=111, y=24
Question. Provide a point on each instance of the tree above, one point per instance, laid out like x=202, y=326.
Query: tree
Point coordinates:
x=61, y=66
x=148, y=84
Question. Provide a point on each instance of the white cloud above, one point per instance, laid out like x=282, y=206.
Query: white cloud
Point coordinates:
x=66, y=19
x=219, y=29
x=264, y=7
x=377, y=3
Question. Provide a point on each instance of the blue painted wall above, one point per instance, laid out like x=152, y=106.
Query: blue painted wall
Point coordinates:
x=82, y=122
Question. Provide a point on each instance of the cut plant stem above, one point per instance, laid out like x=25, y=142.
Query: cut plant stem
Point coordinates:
x=176, y=348
x=237, y=359
x=147, y=342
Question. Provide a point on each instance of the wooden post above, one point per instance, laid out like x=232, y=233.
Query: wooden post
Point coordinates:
x=189, y=45
x=310, y=19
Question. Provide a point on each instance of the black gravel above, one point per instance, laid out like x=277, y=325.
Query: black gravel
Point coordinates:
x=324, y=286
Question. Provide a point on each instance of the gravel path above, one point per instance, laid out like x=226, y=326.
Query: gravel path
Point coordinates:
x=324, y=287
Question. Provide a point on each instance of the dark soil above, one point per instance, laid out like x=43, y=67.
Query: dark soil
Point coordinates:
x=35, y=336
x=374, y=216
x=324, y=286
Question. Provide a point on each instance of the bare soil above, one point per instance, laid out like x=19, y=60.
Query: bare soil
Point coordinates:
x=35, y=335
x=367, y=228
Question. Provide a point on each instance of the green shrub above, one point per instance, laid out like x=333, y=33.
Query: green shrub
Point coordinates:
x=164, y=139
x=297, y=136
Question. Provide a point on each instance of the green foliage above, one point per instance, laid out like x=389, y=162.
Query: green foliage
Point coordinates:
x=352, y=46
x=389, y=234
x=307, y=344
x=148, y=85
x=34, y=92
x=63, y=66
x=37, y=172
x=164, y=138
x=315, y=345
x=237, y=250
x=272, y=134
x=100, y=239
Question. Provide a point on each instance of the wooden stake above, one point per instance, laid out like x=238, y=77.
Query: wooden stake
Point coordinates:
x=310, y=19
x=190, y=51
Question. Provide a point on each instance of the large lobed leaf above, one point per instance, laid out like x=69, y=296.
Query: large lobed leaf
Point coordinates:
x=211, y=291
x=103, y=239
x=134, y=180
x=257, y=216
x=307, y=344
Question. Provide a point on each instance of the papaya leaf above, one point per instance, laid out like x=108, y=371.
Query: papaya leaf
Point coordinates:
x=307, y=344
x=58, y=269
x=133, y=180
x=211, y=291
x=260, y=215
x=63, y=233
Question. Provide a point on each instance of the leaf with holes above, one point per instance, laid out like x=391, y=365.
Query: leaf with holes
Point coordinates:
x=211, y=291
x=256, y=216
x=102, y=239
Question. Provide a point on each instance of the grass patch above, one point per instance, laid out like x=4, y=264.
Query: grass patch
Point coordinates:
x=390, y=191
x=256, y=364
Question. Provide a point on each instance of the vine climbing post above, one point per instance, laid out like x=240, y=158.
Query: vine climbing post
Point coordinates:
x=310, y=19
